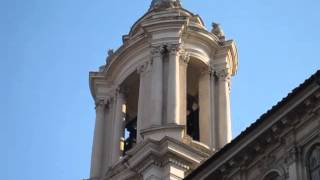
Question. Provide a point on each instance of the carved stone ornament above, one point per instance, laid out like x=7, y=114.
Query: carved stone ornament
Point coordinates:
x=290, y=138
x=164, y=4
x=174, y=48
x=211, y=71
x=176, y=163
x=185, y=58
x=145, y=67
x=293, y=155
x=217, y=30
x=100, y=103
x=223, y=74
x=266, y=163
x=110, y=54
x=121, y=92
x=109, y=100
x=157, y=51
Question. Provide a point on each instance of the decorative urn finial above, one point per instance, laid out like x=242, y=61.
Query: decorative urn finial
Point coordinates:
x=164, y=4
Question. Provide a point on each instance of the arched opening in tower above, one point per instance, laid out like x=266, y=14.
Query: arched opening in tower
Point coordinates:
x=195, y=70
x=193, y=117
x=131, y=90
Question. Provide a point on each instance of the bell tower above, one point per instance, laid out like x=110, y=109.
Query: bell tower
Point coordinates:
x=162, y=99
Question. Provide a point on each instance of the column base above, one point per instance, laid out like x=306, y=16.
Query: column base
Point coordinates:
x=159, y=132
x=167, y=159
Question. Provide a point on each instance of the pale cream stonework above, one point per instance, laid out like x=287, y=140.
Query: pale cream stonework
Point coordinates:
x=168, y=57
x=147, y=78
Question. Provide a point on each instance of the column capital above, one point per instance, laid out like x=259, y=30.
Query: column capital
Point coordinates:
x=211, y=71
x=156, y=51
x=206, y=71
x=100, y=103
x=121, y=92
x=293, y=154
x=109, y=100
x=144, y=67
x=174, y=48
x=185, y=58
x=223, y=74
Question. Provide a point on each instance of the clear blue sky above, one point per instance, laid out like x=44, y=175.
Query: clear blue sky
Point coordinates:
x=47, y=48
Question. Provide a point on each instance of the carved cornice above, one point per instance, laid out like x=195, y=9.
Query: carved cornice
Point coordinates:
x=162, y=154
x=275, y=131
x=176, y=162
x=256, y=151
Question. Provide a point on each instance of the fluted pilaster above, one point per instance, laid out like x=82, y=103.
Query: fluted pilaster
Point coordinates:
x=184, y=60
x=157, y=86
x=144, y=113
x=224, y=115
x=204, y=105
x=173, y=98
x=98, y=141
x=108, y=133
x=213, y=110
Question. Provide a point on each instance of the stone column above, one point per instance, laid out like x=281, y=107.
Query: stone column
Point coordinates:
x=294, y=163
x=224, y=117
x=118, y=126
x=184, y=60
x=108, y=134
x=98, y=141
x=157, y=86
x=173, y=98
x=212, y=109
x=204, y=105
x=143, y=121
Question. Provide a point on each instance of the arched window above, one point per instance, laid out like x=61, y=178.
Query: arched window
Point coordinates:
x=314, y=163
x=130, y=89
x=193, y=118
x=197, y=95
x=273, y=176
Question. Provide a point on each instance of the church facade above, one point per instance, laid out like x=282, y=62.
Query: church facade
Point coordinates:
x=283, y=144
x=163, y=109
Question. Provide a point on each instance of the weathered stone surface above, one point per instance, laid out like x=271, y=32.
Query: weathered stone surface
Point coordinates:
x=169, y=73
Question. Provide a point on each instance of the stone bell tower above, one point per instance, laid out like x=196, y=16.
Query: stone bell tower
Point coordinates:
x=162, y=99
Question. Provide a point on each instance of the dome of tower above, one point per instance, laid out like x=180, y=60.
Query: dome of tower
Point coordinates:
x=165, y=11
